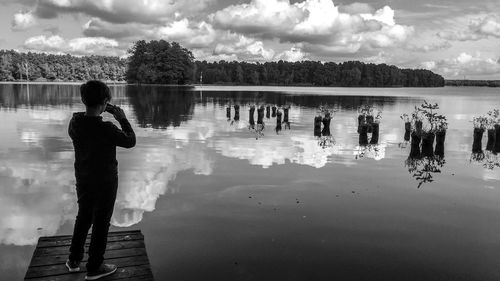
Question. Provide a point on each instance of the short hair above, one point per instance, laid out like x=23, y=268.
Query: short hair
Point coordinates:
x=94, y=92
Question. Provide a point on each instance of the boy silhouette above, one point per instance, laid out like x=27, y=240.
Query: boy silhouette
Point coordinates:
x=96, y=173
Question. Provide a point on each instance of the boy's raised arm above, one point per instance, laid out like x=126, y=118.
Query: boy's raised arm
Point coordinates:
x=126, y=136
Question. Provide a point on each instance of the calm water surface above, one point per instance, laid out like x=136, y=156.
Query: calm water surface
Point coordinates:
x=217, y=201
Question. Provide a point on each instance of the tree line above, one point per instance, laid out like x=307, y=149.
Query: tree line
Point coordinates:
x=162, y=62
x=15, y=66
x=315, y=73
x=473, y=83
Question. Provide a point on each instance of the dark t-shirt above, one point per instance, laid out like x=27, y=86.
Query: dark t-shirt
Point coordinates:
x=95, y=143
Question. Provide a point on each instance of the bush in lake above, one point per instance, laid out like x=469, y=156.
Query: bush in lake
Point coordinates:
x=368, y=122
x=425, y=125
x=490, y=123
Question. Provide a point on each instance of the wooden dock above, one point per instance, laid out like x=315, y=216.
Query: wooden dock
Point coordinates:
x=126, y=249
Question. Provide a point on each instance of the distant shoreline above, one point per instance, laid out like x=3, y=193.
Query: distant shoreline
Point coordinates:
x=59, y=82
x=448, y=83
x=472, y=83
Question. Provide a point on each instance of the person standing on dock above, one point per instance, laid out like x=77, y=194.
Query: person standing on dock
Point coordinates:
x=96, y=172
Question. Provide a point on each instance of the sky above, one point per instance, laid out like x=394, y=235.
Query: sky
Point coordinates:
x=455, y=38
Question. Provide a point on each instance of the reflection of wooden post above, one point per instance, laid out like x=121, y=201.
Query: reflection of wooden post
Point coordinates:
x=317, y=126
x=428, y=144
x=490, y=145
x=407, y=126
x=317, y=123
x=407, y=131
x=477, y=146
x=268, y=112
x=274, y=112
x=363, y=134
x=278, y=121
x=250, y=116
x=361, y=121
x=497, y=139
x=407, y=135
x=260, y=115
x=375, y=133
x=369, y=119
x=326, y=132
x=236, y=112
x=415, y=146
x=326, y=120
x=440, y=137
x=326, y=124
x=418, y=126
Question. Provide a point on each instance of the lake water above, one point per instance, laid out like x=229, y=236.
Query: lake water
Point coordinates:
x=219, y=201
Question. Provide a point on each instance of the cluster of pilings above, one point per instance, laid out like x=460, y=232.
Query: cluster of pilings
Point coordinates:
x=492, y=143
x=236, y=113
x=425, y=158
x=282, y=117
x=367, y=125
x=325, y=120
x=422, y=144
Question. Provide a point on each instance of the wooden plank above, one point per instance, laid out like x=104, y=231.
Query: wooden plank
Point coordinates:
x=110, y=234
x=117, y=245
x=66, y=241
x=60, y=269
x=132, y=272
x=141, y=278
x=61, y=259
x=126, y=249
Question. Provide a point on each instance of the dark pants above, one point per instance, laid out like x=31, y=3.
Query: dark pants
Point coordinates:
x=95, y=207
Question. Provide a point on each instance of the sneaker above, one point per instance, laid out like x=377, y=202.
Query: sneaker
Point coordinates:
x=103, y=270
x=73, y=266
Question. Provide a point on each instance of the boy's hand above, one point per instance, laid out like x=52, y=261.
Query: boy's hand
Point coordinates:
x=118, y=113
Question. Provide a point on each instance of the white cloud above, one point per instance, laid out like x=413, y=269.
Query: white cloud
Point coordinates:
x=488, y=26
x=356, y=8
x=140, y=188
x=317, y=24
x=425, y=48
x=294, y=54
x=22, y=21
x=244, y=47
x=477, y=29
x=76, y=46
x=465, y=65
x=123, y=11
x=193, y=35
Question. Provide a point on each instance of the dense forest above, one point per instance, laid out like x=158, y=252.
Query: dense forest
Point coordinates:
x=314, y=73
x=162, y=62
x=48, y=67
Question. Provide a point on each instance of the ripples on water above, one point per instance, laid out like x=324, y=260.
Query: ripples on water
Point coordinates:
x=271, y=188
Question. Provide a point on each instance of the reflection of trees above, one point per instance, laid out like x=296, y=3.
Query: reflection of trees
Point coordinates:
x=280, y=99
x=160, y=107
x=16, y=95
x=423, y=169
x=371, y=151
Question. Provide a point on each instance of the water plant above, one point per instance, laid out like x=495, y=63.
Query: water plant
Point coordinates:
x=481, y=122
x=405, y=117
